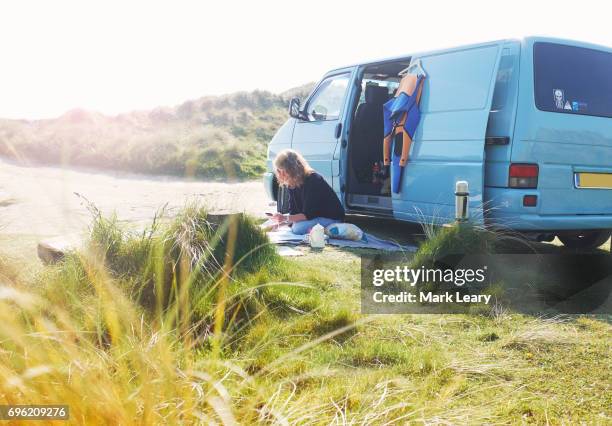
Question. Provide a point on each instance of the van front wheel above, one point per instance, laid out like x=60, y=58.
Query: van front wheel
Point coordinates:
x=587, y=240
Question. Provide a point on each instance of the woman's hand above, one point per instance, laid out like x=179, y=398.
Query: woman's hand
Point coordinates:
x=278, y=217
x=288, y=218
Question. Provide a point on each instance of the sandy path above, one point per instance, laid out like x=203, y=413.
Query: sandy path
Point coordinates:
x=41, y=201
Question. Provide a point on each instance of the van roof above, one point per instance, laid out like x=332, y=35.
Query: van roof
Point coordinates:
x=449, y=49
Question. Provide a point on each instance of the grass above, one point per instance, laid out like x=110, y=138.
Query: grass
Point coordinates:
x=8, y=270
x=455, y=240
x=275, y=340
x=221, y=137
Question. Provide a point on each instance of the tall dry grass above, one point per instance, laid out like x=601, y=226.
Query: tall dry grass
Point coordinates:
x=114, y=330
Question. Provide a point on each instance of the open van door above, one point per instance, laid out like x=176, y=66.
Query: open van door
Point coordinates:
x=320, y=127
x=449, y=144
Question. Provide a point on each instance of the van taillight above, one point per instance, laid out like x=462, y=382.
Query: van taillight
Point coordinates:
x=523, y=176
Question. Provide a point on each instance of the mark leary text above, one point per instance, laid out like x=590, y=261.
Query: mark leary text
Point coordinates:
x=425, y=297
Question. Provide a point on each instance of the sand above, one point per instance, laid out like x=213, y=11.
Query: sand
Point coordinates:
x=40, y=202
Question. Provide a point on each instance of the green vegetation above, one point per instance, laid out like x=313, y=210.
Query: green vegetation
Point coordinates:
x=196, y=319
x=211, y=137
x=453, y=240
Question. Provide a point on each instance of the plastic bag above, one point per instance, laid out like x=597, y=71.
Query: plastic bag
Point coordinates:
x=344, y=231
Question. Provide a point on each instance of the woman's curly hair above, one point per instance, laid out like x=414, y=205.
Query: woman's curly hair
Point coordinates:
x=294, y=165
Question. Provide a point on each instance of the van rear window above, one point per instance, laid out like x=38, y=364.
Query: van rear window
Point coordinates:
x=572, y=80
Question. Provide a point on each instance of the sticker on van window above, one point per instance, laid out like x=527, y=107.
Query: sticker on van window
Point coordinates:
x=579, y=106
x=559, y=96
x=567, y=105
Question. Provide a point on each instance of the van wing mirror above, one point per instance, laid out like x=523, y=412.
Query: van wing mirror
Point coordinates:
x=294, y=108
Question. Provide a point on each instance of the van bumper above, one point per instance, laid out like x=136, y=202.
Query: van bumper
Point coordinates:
x=504, y=208
x=269, y=185
x=534, y=222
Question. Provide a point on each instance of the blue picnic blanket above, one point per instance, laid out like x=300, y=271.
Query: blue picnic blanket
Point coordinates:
x=285, y=236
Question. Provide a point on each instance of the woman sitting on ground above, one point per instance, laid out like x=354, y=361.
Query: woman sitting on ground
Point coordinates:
x=311, y=199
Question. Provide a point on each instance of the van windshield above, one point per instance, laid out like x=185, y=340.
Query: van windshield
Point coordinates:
x=572, y=80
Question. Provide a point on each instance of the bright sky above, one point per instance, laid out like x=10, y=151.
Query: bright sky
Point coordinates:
x=114, y=56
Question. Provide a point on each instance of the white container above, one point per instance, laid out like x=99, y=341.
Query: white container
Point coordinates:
x=317, y=236
x=462, y=194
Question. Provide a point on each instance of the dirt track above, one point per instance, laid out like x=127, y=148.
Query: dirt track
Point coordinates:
x=41, y=202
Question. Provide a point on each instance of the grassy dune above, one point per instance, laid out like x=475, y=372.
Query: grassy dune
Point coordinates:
x=196, y=319
x=210, y=137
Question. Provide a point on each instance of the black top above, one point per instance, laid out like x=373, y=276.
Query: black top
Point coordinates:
x=315, y=198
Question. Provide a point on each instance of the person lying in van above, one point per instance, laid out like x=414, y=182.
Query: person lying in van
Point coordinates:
x=311, y=199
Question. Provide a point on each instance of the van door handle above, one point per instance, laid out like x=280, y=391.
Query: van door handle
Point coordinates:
x=497, y=140
x=338, y=130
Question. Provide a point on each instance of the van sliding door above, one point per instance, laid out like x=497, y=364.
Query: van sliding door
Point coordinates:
x=449, y=142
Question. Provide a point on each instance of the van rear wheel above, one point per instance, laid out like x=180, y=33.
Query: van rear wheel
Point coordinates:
x=587, y=240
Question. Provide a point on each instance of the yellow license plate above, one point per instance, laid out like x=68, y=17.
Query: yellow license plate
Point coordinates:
x=593, y=180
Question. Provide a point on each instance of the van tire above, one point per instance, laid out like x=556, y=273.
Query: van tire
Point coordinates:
x=586, y=240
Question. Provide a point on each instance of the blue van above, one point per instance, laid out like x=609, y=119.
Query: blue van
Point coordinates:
x=527, y=123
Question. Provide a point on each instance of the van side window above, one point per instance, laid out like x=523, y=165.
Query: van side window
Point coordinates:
x=327, y=101
x=572, y=80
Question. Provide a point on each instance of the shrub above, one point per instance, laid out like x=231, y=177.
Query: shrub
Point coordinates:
x=454, y=240
x=181, y=267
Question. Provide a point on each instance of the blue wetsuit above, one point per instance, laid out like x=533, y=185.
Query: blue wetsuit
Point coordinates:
x=401, y=115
